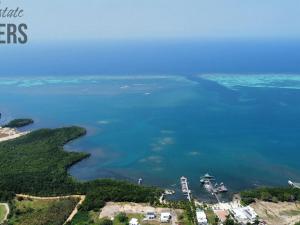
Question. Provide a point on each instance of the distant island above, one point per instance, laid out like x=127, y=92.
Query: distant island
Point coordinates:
x=17, y=123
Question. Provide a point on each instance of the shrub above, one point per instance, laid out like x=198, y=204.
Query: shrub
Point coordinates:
x=106, y=222
x=122, y=217
x=271, y=194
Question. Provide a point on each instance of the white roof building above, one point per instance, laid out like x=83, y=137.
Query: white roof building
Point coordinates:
x=201, y=217
x=150, y=216
x=165, y=217
x=244, y=215
x=134, y=221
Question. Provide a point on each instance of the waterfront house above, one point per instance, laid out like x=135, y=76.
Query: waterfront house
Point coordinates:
x=165, y=217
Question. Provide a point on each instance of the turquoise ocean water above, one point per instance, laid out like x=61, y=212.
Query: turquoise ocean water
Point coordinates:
x=243, y=129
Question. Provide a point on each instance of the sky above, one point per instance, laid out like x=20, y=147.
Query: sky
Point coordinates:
x=150, y=19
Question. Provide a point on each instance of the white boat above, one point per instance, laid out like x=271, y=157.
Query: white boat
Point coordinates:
x=206, y=177
x=211, y=187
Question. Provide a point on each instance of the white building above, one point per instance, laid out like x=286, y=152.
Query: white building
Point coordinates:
x=150, y=216
x=165, y=217
x=134, y=221
x=244, y=215
x=201, y=217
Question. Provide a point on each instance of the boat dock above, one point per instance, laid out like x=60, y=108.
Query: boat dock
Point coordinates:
x=293, y=184
x=185, y=188
x=140, y=180
x=212, y=187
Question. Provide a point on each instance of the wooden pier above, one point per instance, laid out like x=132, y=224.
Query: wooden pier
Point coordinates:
x=294, y=185
x=185, y=188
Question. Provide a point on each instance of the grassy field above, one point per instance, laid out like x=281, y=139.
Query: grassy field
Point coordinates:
x=290, y=212
x=184, y=219
x=92, y=218
x=42, y=212
x=84, y=218
x=211, y=216
x=2, y=212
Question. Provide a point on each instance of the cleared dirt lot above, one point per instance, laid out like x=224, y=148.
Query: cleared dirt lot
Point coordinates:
x=3, y=135
x=283, y=213
x=113, y=208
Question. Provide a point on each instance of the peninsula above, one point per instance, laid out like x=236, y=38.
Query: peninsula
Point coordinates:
x=36, y=164
x=34, y=175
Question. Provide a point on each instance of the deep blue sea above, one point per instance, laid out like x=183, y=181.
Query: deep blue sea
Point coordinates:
x=163, y=110
x=184, y=57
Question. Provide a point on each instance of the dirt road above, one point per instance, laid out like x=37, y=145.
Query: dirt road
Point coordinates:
x=74, y=212
x=7, y=211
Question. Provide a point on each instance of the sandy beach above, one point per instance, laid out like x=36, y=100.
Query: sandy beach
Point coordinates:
x=10, y=133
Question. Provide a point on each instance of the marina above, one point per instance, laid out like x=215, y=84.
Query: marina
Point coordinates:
x=140, y=181
x=208, y=183
x=214, y=188
x=294, y=185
